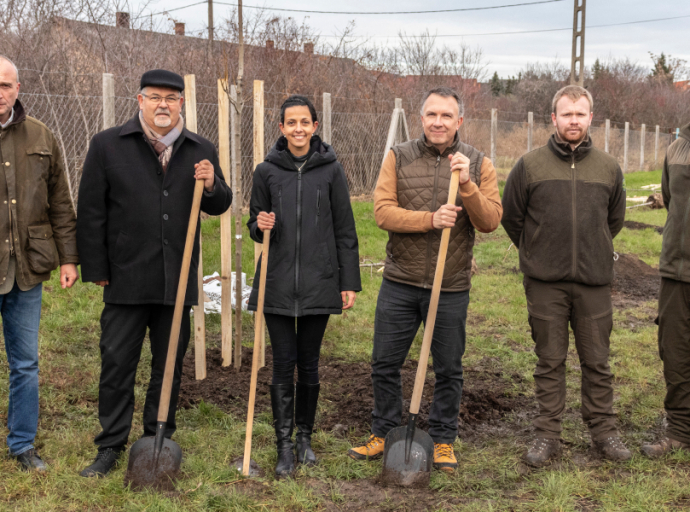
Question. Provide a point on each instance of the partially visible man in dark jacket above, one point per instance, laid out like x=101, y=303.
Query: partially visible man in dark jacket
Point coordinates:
x=135, y=199
x=38, y=225
x=562, y=205
x=674, y=298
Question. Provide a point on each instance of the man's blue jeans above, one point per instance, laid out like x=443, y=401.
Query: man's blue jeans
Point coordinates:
x=21, y=314
x=400, y=310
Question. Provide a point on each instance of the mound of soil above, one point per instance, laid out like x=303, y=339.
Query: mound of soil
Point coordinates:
x=346, y=398
x=631, y=224
x=633, y=278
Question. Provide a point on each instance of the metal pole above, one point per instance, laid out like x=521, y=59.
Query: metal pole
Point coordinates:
x=577, y=71
x=530, y=130
x=607, y=134
x=326, y=133
x=108, y=101
x=494, y=134
x=625, y=147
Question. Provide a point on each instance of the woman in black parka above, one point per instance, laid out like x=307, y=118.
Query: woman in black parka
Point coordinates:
x=300, y=193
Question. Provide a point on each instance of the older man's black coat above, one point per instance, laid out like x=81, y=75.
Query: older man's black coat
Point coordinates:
x=132, y=216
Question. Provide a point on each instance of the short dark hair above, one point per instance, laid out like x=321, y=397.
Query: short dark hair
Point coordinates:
x=297, y=101
x=446, y=92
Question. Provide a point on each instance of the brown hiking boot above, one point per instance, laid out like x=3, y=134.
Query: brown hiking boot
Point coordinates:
x=541, y=451
x=664, y=446
x=612, y=448
x=373, y=449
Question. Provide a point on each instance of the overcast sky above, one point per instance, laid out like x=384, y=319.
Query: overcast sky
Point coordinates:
x=506, y=54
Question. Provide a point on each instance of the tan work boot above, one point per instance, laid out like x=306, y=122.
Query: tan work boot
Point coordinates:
x=542, y=451
x=612, y=448
x=664, y=446
x=444, y=457
x=373, y=449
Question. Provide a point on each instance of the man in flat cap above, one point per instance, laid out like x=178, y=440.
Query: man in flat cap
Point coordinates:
x=135, y=199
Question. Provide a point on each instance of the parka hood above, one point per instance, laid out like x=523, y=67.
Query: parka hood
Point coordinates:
x=320, y=154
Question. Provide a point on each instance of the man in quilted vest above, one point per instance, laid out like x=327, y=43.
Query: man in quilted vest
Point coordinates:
x=410, y=203
x=564, y=203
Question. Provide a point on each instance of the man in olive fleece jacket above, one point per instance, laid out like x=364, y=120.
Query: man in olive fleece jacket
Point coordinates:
x=563, y=203
x=674, y=297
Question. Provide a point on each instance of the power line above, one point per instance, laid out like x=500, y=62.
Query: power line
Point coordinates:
x=365, y=13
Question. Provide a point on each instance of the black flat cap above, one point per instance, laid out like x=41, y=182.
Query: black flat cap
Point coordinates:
x=162, y=78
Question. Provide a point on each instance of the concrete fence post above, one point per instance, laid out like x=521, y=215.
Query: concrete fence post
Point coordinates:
x=626, y=140
x=108, y=101
x=494, y=134
x=656, y=146
x=642, y=137
x=326, y=126
x=607, y=134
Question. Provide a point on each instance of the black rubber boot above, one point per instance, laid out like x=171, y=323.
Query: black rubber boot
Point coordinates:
x=104, y=462
x=283, y=404
x=305, y=412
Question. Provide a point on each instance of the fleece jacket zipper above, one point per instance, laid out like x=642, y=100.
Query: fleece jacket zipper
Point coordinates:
x=430, y=234
x=574, y=271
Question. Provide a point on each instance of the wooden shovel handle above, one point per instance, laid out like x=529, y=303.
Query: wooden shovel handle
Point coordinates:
x=433, y=304
x=164, y=403
x=256, y=357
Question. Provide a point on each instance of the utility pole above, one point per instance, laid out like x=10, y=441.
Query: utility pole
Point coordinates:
x=577, y=72
x=210, y=20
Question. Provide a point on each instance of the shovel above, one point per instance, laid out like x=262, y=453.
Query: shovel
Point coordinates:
x=154, y=462
x=408, y=453
x=245, y=464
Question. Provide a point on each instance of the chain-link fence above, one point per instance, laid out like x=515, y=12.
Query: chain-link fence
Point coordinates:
x=359, y=138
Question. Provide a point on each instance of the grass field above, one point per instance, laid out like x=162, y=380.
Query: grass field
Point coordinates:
x=490, y=477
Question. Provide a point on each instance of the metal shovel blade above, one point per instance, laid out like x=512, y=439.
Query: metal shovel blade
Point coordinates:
x=153, y=467
x=407, y=459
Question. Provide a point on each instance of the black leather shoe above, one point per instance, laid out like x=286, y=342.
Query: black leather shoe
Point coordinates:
x=283, y=404
x=103, y=464
x=307, y=396
x=30, y=461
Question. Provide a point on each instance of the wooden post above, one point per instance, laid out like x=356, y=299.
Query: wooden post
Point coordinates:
x=530, y=130
x=626, y=138
x=225, y=226
x=642, y=137
x=236, y=151
x=656, y=146
x=108, y=101
x=607, y=134
x=326, y=134
x=258, y=158
x=392, y=129
x=199, y=315
x=494, y=134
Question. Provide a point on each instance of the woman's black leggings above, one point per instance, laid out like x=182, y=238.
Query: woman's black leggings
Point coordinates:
x=298, y=345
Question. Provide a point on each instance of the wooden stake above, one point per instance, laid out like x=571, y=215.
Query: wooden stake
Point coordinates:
x=494, y=134
x=258, y=331
x=258, y=158
x=199, y=315
x=225, y=226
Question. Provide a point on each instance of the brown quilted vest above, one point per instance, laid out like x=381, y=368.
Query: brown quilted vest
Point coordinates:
x=423, y=180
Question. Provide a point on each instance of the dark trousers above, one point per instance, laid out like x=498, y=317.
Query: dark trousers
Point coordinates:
x=123, y=329
x=296, y=342
x=400, y=310
x=551, y=306
x=674, y=350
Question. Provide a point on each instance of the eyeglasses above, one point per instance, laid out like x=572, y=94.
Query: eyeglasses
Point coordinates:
x=169, y=100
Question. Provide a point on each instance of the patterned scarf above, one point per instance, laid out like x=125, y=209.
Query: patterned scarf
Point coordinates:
x=162, y=144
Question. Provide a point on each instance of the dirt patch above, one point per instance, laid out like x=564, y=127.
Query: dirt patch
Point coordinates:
x=347, y=398
x=631, y=224
x=634, y=279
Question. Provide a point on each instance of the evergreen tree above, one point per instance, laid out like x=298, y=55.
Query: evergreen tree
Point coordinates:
x=496, y=85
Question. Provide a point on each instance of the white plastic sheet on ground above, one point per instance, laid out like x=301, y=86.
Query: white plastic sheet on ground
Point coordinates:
x=212, y=292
